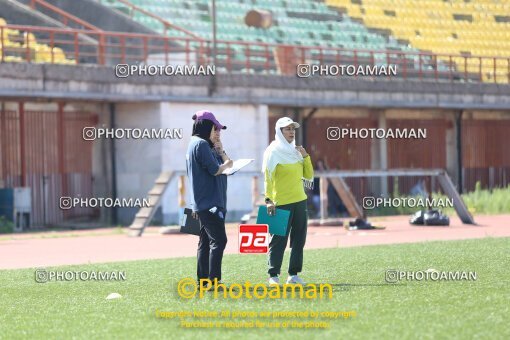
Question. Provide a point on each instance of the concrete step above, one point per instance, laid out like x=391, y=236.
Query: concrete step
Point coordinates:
x=144, y=215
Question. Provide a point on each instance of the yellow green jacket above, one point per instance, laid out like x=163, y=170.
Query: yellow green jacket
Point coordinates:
x=285, y=185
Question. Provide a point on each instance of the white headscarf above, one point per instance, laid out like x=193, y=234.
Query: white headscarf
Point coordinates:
x=280, y=151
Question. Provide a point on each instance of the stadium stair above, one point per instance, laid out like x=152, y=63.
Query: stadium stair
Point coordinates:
x=106, y=19
x=98, y=15
x=145, y=215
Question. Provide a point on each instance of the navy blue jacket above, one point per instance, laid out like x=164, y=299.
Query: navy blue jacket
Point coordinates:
x=207, y=190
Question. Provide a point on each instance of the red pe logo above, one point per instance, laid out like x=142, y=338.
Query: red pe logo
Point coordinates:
x=253, y=238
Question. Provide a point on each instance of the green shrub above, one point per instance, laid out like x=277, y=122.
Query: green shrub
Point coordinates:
x=6, y=226
x=495, y=201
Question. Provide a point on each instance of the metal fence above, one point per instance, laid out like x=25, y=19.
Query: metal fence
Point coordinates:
x=39, y=149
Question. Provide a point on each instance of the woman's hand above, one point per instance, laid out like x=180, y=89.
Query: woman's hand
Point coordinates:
x=228, y=164
x=218, y=146
x=271, y=209
x=302, y=151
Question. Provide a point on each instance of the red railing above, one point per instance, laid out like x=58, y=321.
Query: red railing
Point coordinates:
x=64, y=17
x=111, y=48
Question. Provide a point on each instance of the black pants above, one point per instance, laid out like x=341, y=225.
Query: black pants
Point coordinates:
x=297, y=230
x=211, y=245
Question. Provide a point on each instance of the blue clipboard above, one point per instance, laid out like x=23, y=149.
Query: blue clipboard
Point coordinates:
x=278, y=223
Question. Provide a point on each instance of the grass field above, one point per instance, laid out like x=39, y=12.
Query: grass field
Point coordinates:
x=409, y=309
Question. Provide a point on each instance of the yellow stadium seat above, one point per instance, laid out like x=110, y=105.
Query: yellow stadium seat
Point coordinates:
x=42, y=52
x=435, y=22
x=13, y=59
x=30, y=38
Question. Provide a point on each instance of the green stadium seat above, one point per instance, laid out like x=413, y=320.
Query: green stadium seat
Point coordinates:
x=300, y=22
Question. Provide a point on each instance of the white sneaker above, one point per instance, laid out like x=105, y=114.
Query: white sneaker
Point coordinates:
x=220, y=287
x=294, y=279
x=211, y=286
x=274, y=281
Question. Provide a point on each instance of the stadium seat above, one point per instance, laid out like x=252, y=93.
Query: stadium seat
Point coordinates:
x=16, y=44
x=303, y=22
x=478, y=28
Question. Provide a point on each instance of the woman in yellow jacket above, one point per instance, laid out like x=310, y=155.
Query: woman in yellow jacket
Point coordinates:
x=287, y=170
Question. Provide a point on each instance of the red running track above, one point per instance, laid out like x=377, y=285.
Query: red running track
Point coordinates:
x=32, y=250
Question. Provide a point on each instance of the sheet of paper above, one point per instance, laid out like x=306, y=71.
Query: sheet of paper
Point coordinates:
x=238, y=165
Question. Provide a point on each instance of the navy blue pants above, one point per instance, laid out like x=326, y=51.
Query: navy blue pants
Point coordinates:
x=211, y=245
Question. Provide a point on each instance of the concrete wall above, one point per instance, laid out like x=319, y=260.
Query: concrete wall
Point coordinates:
x=140, y=161
x=100, y=84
